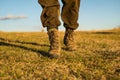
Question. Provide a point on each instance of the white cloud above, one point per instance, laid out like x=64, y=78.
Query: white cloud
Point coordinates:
x=12, y=17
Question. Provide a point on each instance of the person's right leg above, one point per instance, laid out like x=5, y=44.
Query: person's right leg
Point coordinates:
x=50, y=19
x=50, y=13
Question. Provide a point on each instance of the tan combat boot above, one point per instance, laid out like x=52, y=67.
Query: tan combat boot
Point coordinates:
x=54, y=50
x=69, y=40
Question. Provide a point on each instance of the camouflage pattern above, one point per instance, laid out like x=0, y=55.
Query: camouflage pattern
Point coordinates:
x=69, y=40
x=51, y=12
x=54, y=50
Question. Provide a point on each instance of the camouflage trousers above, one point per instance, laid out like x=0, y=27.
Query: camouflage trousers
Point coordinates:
x=51, y=12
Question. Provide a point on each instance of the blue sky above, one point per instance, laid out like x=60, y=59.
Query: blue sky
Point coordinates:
x=24, y=15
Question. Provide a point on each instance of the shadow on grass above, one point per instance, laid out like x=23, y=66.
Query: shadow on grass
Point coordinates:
x=105, y=32
x=32, y=43
x=108, y=54
x=39, y=52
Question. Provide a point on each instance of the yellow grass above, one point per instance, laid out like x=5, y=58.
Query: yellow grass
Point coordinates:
x=23, y=56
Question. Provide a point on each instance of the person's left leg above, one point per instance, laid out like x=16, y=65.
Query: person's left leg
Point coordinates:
x=70, y=12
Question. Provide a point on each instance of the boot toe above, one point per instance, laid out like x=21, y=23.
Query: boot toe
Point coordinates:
x=54, y=54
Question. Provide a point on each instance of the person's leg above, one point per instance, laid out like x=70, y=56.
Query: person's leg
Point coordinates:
x=50, y=13
x=70, y=13
x=50, y=19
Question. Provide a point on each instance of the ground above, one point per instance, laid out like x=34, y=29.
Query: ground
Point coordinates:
x=23, y=56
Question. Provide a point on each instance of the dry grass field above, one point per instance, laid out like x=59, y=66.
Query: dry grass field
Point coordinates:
x=23, y=56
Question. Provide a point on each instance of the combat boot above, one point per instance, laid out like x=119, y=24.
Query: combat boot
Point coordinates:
x=69, y=40
x=54, y=50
